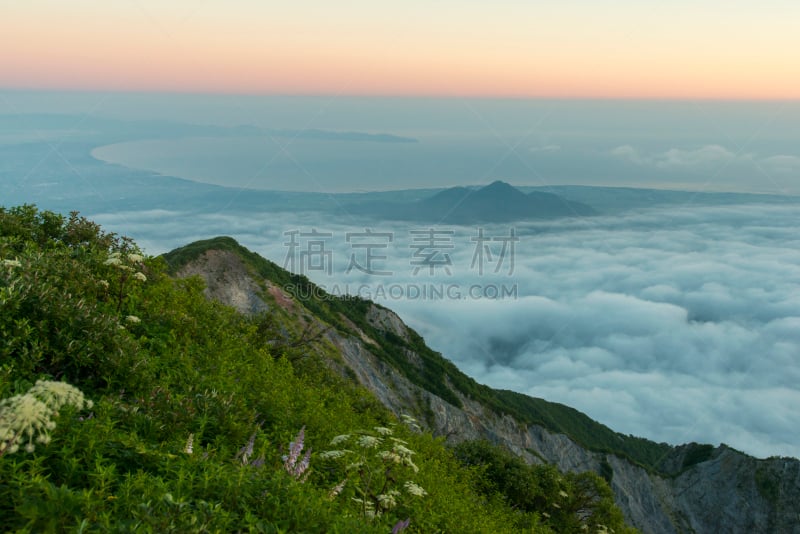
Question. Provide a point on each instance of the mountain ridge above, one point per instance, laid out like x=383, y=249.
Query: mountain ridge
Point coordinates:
x=660, y=488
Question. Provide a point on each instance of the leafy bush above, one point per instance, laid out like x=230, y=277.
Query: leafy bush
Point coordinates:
x=568, y=502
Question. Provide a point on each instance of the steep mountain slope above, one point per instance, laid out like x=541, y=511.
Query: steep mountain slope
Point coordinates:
x=130, y=402
x=661, y=489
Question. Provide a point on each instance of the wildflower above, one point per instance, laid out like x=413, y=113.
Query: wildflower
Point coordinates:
x=402, y=450
x=258, y=462
x=563, y=494
x=368, y=442
x=383, y=431
x=247, y=451
x=410, y=421
x=103, y=283
x=113, y=261
x=412, y=465
x=340, y=439
x=401, y=526
x=390, y=456
x=367, y=507
x=189, y=445
x=290, y=462
x=387, y=500
x=414, y=489
x=23, y=417
x=337, y=489
x=354, y=465
x=133, y=319
x=140, y=276
x=12, y=263
x=332, y=455
x=58, y=394
x=135, y=258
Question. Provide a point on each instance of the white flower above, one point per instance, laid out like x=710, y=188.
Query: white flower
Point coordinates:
x=386, y=501
x=140, y=276
x=563, y=493
x=412, y=465
x=133, y=319
x=339, y=439
x=57, y=394
x=113, y=261
x=337, y=489
x=103, y=284
x=383, y=431
x=402, y=450
x=414, y=489
x=368, y=507
x=368, y=442
x=189, y=449
x=23, y=417
x=135, y=258
x=330, y=455
x=12, y=263
x=410, y=421
x=389, y=456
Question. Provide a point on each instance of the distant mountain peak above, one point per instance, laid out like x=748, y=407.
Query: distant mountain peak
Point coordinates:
x=498, y=202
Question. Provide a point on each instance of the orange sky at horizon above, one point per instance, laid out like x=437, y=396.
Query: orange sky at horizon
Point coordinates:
x=447, y=50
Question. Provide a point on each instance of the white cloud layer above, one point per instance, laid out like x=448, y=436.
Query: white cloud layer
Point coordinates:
x=708, y=157
x=677, y=325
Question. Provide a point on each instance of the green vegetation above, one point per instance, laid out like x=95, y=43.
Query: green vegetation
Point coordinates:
x=430, y=370
x=569, y=502
x=194, y=423
x=696, y=453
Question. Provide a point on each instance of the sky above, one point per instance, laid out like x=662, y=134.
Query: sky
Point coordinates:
x=708, y=49
x=676, y=324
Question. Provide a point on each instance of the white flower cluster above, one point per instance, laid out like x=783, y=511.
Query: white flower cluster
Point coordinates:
x=414, y=489
x=28, y=419
x=368, y=442
x=411, y=422
x=116, y=259
x=388, y=500
x=58, y=394
x=399, y=454
x=365, y=473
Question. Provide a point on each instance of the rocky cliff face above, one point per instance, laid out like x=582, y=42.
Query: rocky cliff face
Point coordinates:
x=698, y=490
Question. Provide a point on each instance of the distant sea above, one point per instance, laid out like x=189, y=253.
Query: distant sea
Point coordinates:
x=696, y=145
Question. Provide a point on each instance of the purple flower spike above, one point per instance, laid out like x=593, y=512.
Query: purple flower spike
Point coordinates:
x=290, y=462
x=401, y=526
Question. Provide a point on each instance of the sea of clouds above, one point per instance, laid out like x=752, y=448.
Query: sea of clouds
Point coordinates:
x=677, y=324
